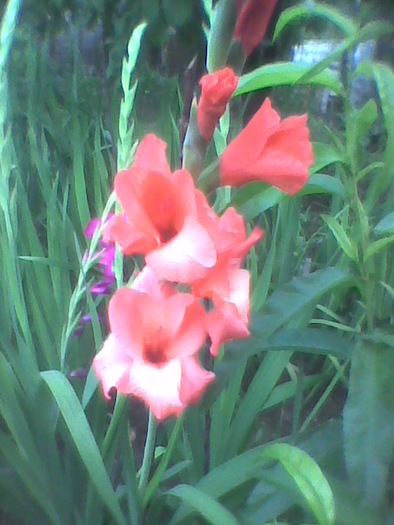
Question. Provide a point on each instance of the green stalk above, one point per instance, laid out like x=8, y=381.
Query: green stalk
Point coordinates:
x=148, y=454
x=120, y=406
x=159, y=472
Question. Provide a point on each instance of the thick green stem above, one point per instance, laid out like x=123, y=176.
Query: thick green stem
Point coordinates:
x=148, y=454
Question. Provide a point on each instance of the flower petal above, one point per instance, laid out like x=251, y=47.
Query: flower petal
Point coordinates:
x=216, y=90
x=280, y=170
x=194, y=381
x=151, y=155
x=186, y=257
x=126, y=315
x=191, y=333
x=128, y=237
x=252, y=22
x=267, y=150
x=158, y=387
x=247, y=146
x=225, y=324
x=149, y=283
x=112, y=366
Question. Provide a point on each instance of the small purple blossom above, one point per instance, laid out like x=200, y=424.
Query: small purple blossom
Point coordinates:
x=106, y=260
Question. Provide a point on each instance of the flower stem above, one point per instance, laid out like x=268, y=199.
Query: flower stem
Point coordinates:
x=148, y=453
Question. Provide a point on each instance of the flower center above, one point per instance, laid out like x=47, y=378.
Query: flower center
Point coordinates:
x=166, y=234
x=161, y=204
x=155, y=349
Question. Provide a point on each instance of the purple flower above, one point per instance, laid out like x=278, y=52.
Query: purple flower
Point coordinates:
x=106, y=260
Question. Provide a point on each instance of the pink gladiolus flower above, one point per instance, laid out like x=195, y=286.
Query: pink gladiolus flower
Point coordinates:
x=226, y=284
x=252, y=22
x=159, y=216
x=151, y=353
x=268, y=150
x=216, y=90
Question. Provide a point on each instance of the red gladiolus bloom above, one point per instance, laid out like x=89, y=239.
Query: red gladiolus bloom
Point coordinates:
x=151, y=352
x=159, y=216
x=226, y=284
x=268, y=150
x=216, y=90
x=252, y=22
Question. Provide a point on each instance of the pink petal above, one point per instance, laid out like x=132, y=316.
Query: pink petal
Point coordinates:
x=247, y=146
x=194, y=382
x=292, y=138
x=191, y=333
x=186, y=257
x=239, y=293
x=130, y=239
x=158, y=387
x=151, y=155
x=149, y=283
x=112, y=366
x=128, y=187
x=225, y=324
x=126, y=312
x=281, y=170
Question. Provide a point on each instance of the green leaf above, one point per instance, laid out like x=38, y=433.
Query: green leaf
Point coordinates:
x=324, y=155
x=358, y=126
x=286, y=74
x=225, y=478
x=369, y=421
x=257, y=394
x=378, y=246
x=314, y=9
x=253, y=199
x=324, y=184
x=309, y=478
x=315, y=341
x=83, y=438
x=237, y=471
x=386, y=225
x=204, y=504
x=384, y=79
x=345, y=243
x=79, y=180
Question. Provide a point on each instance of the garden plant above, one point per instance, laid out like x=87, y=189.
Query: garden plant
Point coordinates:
x=196, y=250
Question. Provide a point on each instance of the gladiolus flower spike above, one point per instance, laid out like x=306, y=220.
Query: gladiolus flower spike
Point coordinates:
x=157, y=331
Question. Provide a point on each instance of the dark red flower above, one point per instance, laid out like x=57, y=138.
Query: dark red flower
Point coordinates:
x=252, y=22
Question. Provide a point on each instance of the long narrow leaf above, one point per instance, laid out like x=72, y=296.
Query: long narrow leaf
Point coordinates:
x=204, y=504
x=83, y=438
x=308, y=477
